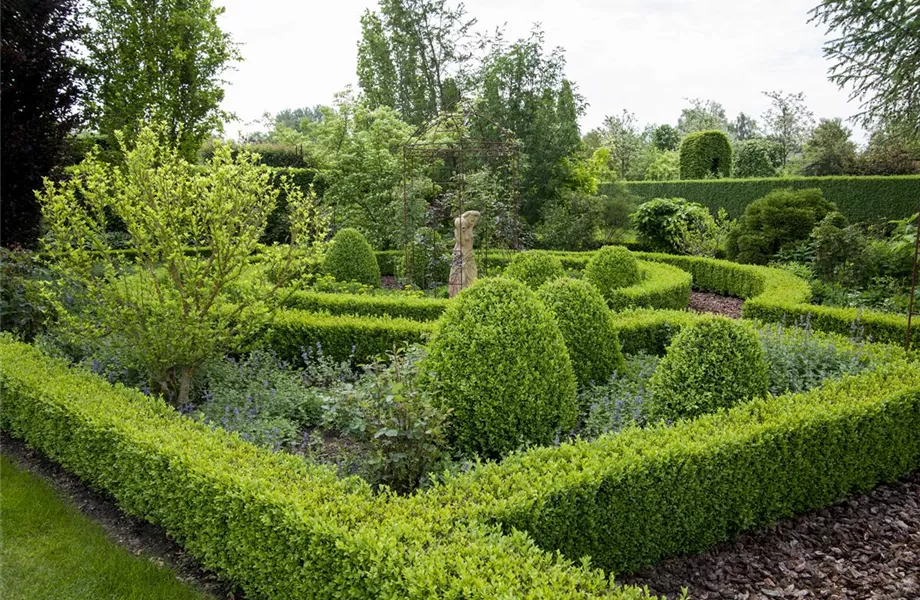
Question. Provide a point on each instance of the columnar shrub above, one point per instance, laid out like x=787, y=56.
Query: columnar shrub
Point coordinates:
x=499, y=362
x=611, y=268
x=351, y=258
x=534, y=268
x=587, y=326
x=712, y=364
x=705, y=154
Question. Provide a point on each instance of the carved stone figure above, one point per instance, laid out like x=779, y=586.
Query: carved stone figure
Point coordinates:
x=463, y=265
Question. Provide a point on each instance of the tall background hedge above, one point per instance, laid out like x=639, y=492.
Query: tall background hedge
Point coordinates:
x=859, y=198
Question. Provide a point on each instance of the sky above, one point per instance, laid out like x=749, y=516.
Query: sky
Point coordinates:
x=646, y=56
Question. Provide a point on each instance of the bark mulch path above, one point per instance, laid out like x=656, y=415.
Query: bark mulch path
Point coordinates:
x=705, y=302
x=866, y=548
x=139, y=537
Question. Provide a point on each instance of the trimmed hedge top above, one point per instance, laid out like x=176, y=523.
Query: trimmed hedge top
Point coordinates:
x=705, y=154
x=861, y=198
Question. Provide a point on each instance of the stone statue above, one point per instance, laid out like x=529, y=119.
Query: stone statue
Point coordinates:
x=463, y=264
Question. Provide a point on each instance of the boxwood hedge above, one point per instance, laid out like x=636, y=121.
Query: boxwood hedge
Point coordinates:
x=632, y=498
x=269, y=522
x=859, y=198
x=406, y=307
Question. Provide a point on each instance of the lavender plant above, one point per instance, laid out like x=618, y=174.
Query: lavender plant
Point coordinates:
x=620, y=402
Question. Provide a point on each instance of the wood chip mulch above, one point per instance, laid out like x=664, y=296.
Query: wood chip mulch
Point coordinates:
x=704, y=302
x=866, y=548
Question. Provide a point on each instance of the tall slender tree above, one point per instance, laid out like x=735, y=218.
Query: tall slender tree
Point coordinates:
x=39, y=89
x=159, y=60
x=414, y=56
x=788, y=121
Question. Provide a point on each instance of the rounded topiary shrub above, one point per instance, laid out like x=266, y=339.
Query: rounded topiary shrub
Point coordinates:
x=705, y=154
x=351, y=258
x=534, y=268
x=587, y=326
x=499, y=362
x=712, y=364
x=612, y=268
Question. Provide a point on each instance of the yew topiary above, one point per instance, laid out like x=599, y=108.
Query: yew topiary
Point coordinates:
x=712, y=364
x=705, y=154
x=534, y=268
x=587, y=326
x=351, y=258
x=499, y=362
x=612, y=268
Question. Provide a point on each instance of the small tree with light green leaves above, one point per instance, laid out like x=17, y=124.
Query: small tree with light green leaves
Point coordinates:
x=166, y=303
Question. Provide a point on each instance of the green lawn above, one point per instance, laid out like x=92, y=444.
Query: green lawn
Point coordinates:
x=49, y=550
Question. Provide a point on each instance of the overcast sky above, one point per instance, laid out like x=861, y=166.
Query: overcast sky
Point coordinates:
x=643, y=55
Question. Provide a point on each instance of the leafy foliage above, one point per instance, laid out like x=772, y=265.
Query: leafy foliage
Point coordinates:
x=40, y=85
x=780, y=218
x=426, y=260
x=876, y=52
x=788, y=121
x=798, y=359
x=534, y=268
x=158, y=62
x=499, y=362
x=168, y=311
x=666, y=138
x=401, y=426
x=705, y=154
x=586, y=326
x=621, y=401
x=612, y=268
x=702, y=115
x=756, y=157
x=351, y=258
x=661, y=223
x=829, y=150
x=709, y=365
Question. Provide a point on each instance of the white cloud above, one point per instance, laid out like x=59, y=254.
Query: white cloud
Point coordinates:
x=642, y=55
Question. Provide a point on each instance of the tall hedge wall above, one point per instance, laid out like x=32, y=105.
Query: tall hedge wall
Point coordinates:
x=859, y=198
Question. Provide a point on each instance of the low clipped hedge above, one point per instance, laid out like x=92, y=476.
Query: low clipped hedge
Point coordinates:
x=406, y=307
x=341, y=337
x=534, y=268
x=863, y=198
x=269, y=522
x=664, y=288
x=777, y=296
x=630, y=499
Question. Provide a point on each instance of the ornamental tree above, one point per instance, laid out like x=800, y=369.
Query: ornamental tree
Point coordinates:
x=165, y=303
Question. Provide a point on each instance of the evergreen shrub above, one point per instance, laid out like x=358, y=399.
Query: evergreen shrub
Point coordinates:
x=712, y=364
x=499, y=361
x=534, y=268
x=351, y=258
x=612, y=268
x=587, y=326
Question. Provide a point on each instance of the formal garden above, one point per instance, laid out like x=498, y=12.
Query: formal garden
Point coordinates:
x=425, y=350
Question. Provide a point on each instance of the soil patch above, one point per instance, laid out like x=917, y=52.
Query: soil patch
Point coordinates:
x=705, y=302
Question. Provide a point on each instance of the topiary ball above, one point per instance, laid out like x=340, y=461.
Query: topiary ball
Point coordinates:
x=351, y=258
x=499, y=362
x=612, y=268
x=712, y=364
x=587, y=326
x=534, y=268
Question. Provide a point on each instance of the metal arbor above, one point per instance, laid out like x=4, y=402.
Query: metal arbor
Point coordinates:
x=450, y=146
